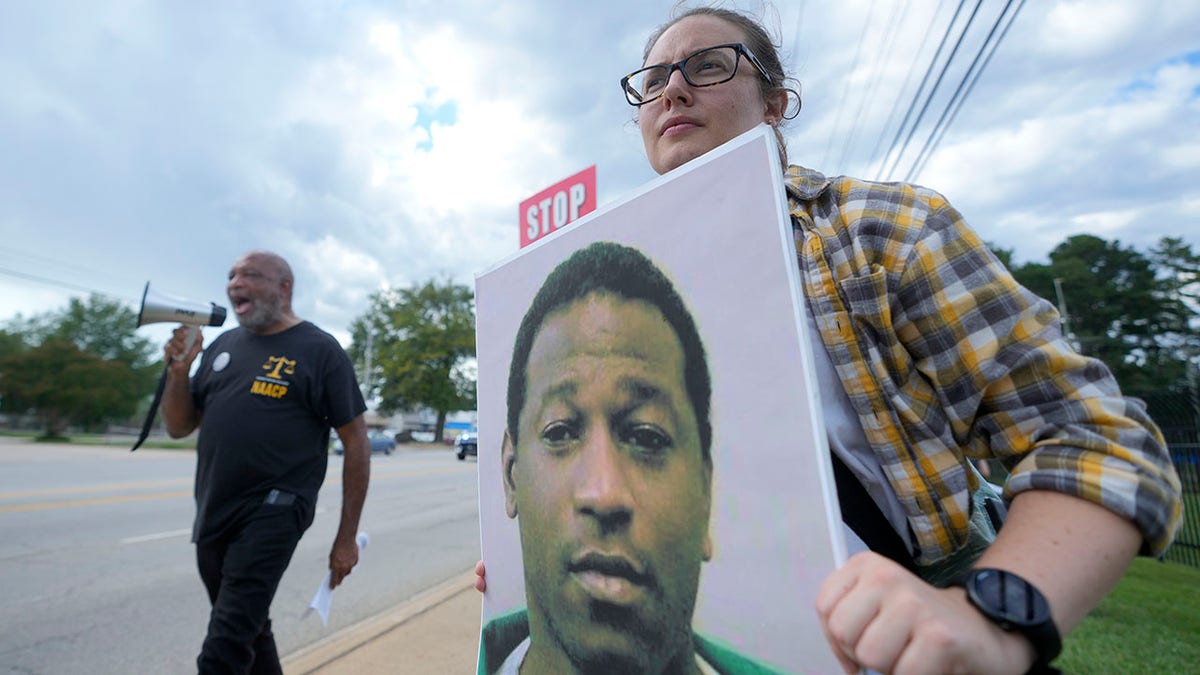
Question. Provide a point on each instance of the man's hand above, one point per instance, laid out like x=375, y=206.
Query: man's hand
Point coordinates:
x=179, y=413
x=184, y=346
x=356, y=475
x=880, y=616
x=342, y=558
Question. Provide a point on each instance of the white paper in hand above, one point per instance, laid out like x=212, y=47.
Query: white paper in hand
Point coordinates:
x=323, y=598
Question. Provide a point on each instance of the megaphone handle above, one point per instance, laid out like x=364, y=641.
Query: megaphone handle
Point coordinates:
x=158, y=394
x=193, y=332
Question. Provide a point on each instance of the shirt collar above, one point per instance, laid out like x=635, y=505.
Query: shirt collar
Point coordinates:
x=805, y=184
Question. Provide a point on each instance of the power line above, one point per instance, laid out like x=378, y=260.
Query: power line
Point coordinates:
x=869, y=95
x=44, y=280
x=912, y=67
x=920, y=88
x=954, y=97
x=45, y=262
x=797, y=58
x=937, y=83
x=846, y=86
x=956, y=102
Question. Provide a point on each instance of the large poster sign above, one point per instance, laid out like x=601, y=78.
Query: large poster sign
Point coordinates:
x=561, y=203
x=654, y=478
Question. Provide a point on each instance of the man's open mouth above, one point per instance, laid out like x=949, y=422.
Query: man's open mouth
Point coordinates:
x=241, y=305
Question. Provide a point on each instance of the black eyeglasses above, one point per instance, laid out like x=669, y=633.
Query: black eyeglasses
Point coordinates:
x=713, y=65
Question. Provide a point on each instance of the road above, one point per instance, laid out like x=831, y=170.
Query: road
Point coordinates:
x=99, y=574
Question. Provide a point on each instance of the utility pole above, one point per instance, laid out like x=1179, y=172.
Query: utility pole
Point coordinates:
x=1066, y=319
x=366, y=384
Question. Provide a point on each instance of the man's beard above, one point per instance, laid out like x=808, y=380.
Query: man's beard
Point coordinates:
x=265, y=314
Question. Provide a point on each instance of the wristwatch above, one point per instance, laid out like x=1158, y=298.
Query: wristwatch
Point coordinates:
x=1016, y=606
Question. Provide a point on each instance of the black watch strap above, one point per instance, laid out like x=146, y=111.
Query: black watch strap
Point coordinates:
x=1016, y=606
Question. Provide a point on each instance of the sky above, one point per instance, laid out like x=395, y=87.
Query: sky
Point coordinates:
x=383, y=144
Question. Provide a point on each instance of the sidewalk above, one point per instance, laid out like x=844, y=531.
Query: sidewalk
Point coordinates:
x=435, y=632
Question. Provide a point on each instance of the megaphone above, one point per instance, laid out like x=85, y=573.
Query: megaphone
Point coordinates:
x=162, y=308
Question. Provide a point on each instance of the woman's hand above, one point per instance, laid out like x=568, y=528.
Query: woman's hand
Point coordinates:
x=480, y=577
x=880, y=616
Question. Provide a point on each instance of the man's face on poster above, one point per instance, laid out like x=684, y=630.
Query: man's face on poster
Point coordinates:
x=610, y=484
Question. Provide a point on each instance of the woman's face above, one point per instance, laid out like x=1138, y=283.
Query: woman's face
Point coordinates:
x=688, y=121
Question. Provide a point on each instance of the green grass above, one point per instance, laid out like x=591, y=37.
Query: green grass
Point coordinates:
x=188, y=443
x=128, y=441
x=17, y=434
x=1150, y=623
x=1184, y=550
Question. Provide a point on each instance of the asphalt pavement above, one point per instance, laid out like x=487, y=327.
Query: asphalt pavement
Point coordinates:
x=435, y=632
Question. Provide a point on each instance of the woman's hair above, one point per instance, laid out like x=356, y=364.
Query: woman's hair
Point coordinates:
x=758, y=42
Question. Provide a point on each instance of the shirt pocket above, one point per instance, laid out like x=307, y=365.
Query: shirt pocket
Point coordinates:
x=909, y=395
x=868, y=303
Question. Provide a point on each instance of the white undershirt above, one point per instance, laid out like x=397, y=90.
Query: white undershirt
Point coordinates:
x=847, y=440
x=512, y=664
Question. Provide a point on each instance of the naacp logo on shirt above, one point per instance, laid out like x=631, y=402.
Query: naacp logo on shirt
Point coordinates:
x=273, y=383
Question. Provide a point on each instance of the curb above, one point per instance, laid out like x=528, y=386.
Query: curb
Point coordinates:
x=329, y=649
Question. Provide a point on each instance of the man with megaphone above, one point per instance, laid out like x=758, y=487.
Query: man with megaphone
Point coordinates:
x=265, y=397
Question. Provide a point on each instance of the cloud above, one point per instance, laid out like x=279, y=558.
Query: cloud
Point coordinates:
x=384, y=144
x=1105, y=223
x=1088, y=29
x=1086, y=167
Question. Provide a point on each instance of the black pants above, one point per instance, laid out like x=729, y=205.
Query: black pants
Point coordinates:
x=241, y=571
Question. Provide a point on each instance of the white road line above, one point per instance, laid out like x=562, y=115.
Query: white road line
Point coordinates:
x=156, y=535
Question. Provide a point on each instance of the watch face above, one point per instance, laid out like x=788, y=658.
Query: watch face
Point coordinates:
x=1008, y=598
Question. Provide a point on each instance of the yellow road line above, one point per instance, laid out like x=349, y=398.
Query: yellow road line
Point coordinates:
x=43, y=506
x=100, y=501
x=107, y=487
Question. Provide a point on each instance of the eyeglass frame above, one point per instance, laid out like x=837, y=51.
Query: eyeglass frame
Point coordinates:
x=739, y=48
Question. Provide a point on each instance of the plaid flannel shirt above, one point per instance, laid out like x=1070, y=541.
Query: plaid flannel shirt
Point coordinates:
x=945, y=356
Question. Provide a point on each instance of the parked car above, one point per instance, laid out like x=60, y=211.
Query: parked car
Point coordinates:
x=467, y=443
x=381, y=441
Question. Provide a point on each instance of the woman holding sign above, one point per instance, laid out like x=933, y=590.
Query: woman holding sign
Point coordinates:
x=933, y=356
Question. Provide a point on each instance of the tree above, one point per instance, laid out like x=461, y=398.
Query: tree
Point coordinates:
x=1180, y=267
x=104, y=329
x=11, y=343
x=63, y=385
x=1005, y=255
x=423, y=344
x=1119, y=308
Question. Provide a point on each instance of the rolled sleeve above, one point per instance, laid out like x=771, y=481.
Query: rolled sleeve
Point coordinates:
x=1055, y=418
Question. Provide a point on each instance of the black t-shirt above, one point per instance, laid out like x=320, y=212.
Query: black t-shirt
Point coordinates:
x=268, y=403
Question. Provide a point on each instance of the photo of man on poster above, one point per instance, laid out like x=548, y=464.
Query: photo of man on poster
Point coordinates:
x=607, y=466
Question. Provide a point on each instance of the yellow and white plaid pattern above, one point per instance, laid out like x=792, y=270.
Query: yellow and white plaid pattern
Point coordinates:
x=945, y=356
